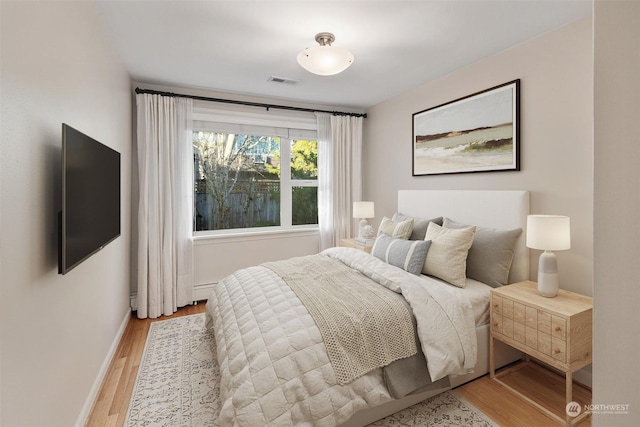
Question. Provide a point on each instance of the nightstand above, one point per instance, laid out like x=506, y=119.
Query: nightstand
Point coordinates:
x=351, y=243
x=556, y=331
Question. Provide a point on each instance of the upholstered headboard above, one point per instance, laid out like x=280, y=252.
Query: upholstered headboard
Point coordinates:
x=500, y=209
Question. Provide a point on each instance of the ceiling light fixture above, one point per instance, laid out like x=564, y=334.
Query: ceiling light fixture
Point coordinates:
x=325, y=60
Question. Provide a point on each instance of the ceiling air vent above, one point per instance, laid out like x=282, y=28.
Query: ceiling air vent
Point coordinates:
x=283, y=80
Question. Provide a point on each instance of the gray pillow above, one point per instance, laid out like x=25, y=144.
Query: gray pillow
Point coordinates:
x=409, y=255
x=419, y=224
x=491, y=253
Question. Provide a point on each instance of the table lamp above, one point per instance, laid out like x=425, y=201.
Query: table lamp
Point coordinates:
x=548, y=233
x=364, y=210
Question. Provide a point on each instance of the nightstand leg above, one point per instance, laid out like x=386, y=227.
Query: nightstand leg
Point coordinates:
x=569, y=394
x=492, y=363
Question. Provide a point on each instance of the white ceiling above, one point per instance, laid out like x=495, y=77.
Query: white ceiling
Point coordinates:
x=235, y=46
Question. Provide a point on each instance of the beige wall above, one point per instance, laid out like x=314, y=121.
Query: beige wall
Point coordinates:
x=56, y=331
x=556, y=74
x=616, y=205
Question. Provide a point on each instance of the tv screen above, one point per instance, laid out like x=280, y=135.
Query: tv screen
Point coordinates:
x=90, y=216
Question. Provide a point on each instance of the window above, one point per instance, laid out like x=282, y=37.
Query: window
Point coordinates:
x=242, y=181
x=304, y=181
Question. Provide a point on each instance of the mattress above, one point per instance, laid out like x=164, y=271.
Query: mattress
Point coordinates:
x=477, y=293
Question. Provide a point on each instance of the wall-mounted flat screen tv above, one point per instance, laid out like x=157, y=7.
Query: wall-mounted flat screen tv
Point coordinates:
x=90, y=216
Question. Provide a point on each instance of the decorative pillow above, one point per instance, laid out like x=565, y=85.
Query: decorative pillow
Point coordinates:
x=447, y=256
x=419, y=224
x=409, y=255
x=398, y=229
x=491, y=253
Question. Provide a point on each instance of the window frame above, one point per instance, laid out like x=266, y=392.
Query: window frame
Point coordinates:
x=208, y=120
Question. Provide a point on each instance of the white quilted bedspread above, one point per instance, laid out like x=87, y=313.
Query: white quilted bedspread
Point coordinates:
x=274, y=366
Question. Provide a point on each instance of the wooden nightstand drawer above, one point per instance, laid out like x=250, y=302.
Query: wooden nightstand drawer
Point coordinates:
x=544, y=322
x=518, y=312
x=507, y=326
x=518, y=332
x=503, y=326
x=544, y=343
x=502, y=316
x=559, y=350
x=531, y=337
x=559, y=327
x=496, y=323
x=496, y=305
x=531, y=317
x=507, y=308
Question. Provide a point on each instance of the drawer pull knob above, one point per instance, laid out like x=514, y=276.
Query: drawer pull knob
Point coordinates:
x=495, y=305
x=556, y=350
x=495, y=323
x=558, y=328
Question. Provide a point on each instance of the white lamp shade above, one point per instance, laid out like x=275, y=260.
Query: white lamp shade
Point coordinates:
x=363, y=210
x=548, y=232
x=325, y=60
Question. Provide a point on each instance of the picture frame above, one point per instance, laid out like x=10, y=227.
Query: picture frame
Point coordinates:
x=477, y=133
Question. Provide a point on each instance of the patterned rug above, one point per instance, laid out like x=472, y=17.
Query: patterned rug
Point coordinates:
x=178, y=376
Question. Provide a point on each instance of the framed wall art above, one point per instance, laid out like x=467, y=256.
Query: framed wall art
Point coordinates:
x=477, y=133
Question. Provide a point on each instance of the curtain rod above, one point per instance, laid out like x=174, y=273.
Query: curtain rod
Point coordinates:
x=253, y=104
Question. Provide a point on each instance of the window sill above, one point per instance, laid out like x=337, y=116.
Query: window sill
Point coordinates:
x=239, y=236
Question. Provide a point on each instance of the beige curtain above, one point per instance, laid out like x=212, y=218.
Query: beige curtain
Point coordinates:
x=339, y=176
x=165, y=205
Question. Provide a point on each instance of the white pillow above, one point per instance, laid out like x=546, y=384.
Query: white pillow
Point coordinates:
x=398, y=229
x=447, y=256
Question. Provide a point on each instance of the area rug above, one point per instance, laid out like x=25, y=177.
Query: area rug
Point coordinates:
x=178, y=376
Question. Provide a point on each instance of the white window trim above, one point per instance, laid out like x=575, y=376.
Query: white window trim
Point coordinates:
x=251, y=234
x=266, y=118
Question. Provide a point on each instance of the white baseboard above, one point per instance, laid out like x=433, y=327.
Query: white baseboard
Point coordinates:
x=95, y=389
x=200, y=293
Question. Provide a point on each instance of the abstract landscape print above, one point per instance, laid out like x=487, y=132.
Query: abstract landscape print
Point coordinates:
x=479, y=132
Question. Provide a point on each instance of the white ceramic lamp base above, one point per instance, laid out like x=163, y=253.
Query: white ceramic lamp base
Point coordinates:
x=365, y=231
x=548, y=283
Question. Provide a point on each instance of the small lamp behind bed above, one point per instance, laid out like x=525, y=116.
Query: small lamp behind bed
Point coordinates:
x=364, y=210
x=548, y=233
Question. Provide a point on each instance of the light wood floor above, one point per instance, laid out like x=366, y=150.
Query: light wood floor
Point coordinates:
x=538, y=383
x=110, y=408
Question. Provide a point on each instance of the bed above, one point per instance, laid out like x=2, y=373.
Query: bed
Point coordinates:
x=289, y=355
